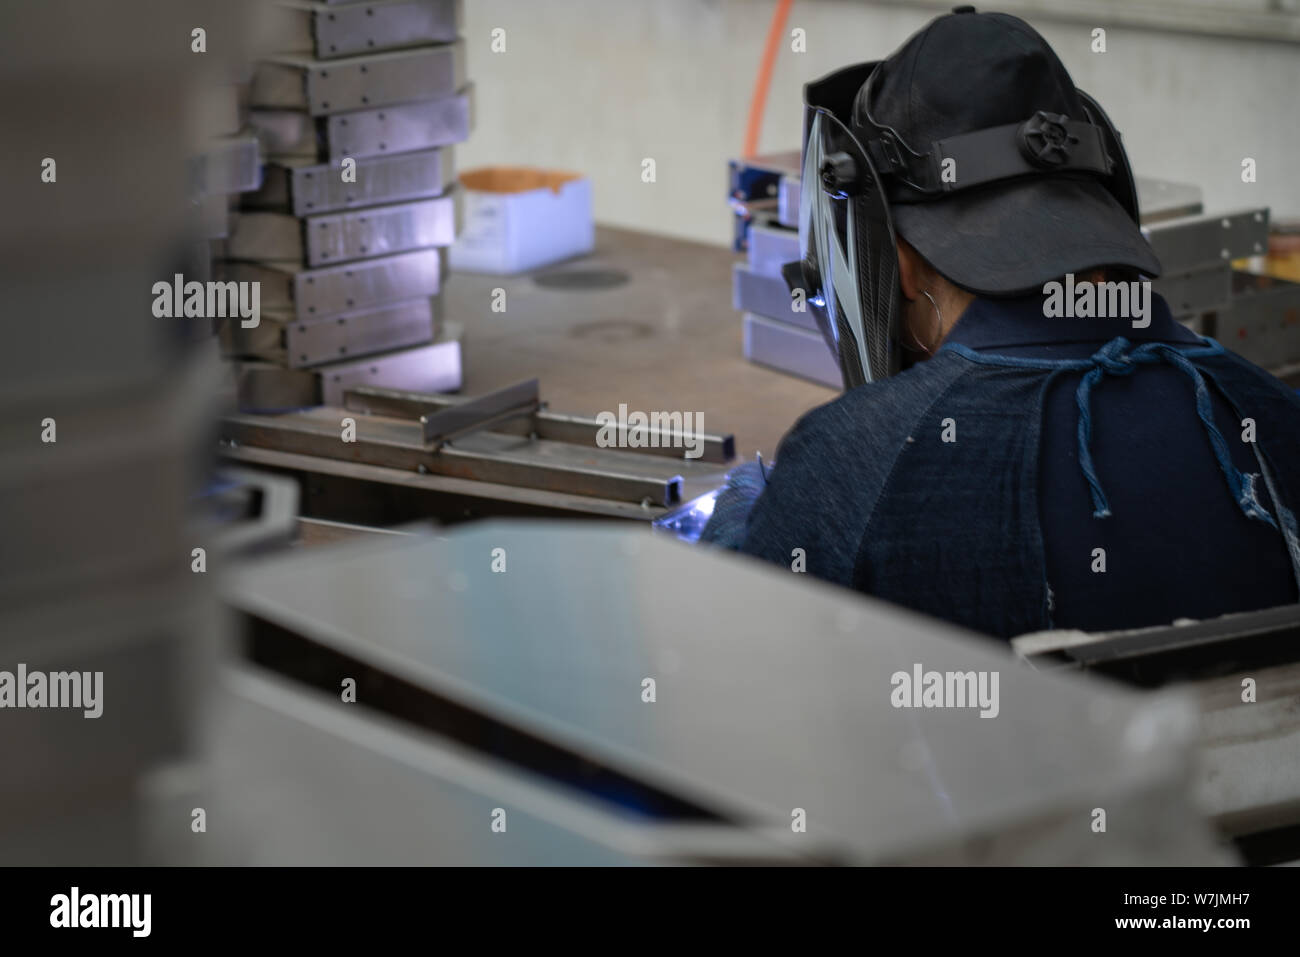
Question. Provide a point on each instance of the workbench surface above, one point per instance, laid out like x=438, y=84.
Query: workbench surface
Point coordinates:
x=665, y=340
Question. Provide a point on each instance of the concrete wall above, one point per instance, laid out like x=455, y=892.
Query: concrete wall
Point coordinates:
x=598, y=85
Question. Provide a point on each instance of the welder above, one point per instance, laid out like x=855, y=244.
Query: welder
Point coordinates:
x=991, y=462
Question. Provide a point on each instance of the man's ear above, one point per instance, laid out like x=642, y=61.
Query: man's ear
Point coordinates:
x=910, y=269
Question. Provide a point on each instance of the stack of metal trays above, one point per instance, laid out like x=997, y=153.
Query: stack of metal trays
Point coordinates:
x=780, y=331
x=347, y=235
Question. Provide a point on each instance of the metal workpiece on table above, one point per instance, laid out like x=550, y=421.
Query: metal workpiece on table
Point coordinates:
x=483, y=412
x=342, y=237
x=544, y=424
x=329, y=30
x=305, y=188
x=480, y=456
x=334, y=290
x=358, y=83
x=775, y=698
x=373, y=132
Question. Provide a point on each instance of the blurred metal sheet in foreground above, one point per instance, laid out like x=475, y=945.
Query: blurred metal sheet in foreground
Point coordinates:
x=773, y=694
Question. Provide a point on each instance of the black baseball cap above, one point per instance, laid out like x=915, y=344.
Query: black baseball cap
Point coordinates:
x=969, y=71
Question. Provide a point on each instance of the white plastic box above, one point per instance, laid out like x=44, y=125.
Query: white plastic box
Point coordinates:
x=517, y=218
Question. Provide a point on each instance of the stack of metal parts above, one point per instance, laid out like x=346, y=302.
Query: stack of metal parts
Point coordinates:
x=386, y=456
x=103, y=416
x=780, y=331
x=348, y=233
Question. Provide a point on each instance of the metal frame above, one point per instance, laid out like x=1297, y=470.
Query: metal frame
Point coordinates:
x=555, y=426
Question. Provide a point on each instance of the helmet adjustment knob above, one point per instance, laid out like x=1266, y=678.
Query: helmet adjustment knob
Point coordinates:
x=839, y=173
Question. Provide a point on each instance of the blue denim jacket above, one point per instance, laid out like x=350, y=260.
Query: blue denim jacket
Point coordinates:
x=1044, y=473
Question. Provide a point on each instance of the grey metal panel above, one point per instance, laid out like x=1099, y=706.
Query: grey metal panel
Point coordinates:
x=399, y=129
x=771, y=247
x=370, y=27
x=778, y=695
x=373, y=282
x=341, y=237
x=305, y=188
x=333, y=290
x=767, y=296
x=286, y=340
x=361, y=333
x=383, y=230
x=385, y=794
x=358, y=83
x=1199, y=242
x=787, y=348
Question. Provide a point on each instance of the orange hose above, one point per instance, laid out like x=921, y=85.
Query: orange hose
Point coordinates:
x=758, y=102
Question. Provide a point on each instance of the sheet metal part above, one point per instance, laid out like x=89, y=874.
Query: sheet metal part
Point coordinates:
x=480, y=456
x=376, y=784
x=778, y=695
x=788, y=348
x=768, y=296
x=335, y=290
x=298, y=343
x=305, y=188
x=521, y=399
x=323, y=87
x=327, y=31
x=341, y=237
x=376, y=132
x=556, y=426
x=399, y=129
x=771, y=247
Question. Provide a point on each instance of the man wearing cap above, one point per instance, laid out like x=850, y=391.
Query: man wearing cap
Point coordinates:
x=997, y=460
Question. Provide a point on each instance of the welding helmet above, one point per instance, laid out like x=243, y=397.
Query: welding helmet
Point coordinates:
x=972, y=143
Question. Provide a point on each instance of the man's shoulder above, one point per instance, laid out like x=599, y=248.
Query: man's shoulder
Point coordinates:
x=876, y=410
